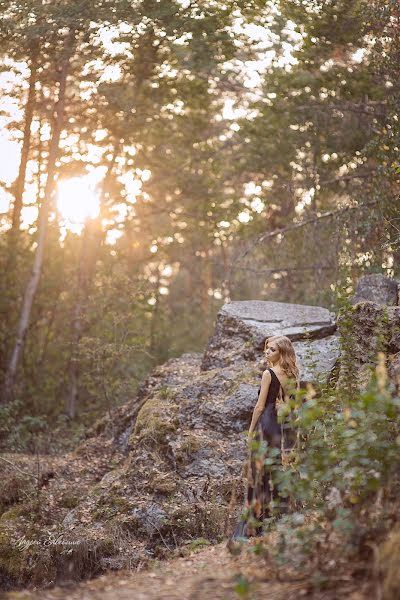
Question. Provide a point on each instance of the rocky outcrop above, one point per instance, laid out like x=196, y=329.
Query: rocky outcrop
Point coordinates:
x=242, y=327
x=377, y=288
x=368, y=328
x=369, y=325
x=173, y=483
x=164, y=469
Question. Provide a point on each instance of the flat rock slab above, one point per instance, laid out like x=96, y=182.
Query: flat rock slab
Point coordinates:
x=242, y=327
x=279, y=317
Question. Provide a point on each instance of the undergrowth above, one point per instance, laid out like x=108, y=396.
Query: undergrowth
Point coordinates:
x=334, y=481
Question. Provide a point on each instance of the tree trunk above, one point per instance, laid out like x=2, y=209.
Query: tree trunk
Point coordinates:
x=33, y=283
x=206, y=285
x=20, y=182
x=153, y=349
x=90, y=242
x=10, y=276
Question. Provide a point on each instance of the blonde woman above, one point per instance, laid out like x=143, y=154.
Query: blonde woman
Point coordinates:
x=279, y=378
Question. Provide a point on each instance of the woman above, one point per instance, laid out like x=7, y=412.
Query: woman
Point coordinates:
x=265, y=429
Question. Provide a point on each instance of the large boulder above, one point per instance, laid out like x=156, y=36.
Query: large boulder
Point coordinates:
x=377, y=288
x=243, y=326
x=370, y=324
x=367, y=328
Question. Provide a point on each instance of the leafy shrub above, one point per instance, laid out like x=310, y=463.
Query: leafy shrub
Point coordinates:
x=346, y=450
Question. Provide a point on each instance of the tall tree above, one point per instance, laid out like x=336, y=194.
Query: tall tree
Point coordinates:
x=70, y=29
x=310, y=144
x=43, y=218
x=22, y=30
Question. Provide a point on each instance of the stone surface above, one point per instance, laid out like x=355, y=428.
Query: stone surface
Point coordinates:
x=234, y=413
x=367, y=328
x=242, y=327
x=377, y=288
x=269, y=318
x=317, y=359
x=150, y=519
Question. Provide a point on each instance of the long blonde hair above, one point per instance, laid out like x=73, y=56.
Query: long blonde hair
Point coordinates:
x=287, y=355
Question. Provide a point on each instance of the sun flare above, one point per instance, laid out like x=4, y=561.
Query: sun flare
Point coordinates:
x=77, y=201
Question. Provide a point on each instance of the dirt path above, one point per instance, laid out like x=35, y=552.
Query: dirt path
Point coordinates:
x=207, y=574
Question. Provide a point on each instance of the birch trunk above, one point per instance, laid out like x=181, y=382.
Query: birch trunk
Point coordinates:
x=30, y=291
x=20, y=182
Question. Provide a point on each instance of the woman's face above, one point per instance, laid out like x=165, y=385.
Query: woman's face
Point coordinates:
x=271, y=353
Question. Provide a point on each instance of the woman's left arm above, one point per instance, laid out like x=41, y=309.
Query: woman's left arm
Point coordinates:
x=262, y=398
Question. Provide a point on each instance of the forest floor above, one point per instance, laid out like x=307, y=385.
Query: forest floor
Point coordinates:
x=211, y=573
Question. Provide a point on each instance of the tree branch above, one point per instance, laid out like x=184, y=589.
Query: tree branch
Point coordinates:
x=328, y=214
x=17, y=468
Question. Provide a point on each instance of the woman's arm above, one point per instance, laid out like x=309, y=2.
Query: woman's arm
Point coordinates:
x=262, y=398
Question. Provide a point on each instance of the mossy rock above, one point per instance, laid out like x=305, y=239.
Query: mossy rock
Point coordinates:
x=13, y=513
x=122, y=503
x=13, y=487
x=164, y=484
x=191, y=443
x=12, y=560
x=110, y=505
x=102, y=513
x=167, y=393
x=156, y=421
x=29, y=511
x=198, y=543
x=69, y=501
x=97, y=490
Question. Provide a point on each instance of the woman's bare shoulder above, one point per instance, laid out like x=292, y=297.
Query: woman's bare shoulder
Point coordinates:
x=266, y=376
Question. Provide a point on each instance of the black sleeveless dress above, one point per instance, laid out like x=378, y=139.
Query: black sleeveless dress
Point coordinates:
x=260, y=490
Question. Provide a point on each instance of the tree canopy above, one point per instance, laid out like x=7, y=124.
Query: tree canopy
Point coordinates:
x=206, y=152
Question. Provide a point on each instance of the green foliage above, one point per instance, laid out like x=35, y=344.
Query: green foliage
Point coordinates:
x=110, y=372
x=323, y=135
x=161, y=112
x=347, y=452
x=157, y=420
x=198, y=543
x=22, y=432
x=242, y=586
x=361, y=450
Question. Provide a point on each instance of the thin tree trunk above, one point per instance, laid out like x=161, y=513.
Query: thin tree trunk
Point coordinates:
x=227, y=272
x=33, y=283
x=206, y=285
x=153, y=324
x=10, y=275
x=91, y=239
x=20, y=182
x=39, y=159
